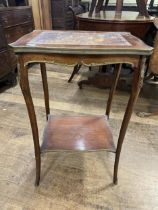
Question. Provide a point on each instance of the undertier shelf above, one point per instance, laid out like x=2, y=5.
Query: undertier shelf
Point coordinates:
x=80, y=133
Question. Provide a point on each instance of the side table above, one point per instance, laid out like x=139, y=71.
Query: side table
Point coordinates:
x=79, y=133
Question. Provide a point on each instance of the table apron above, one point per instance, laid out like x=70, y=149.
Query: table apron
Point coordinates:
x=72, y=60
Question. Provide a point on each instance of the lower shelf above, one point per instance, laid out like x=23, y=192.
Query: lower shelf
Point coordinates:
x=82, y=133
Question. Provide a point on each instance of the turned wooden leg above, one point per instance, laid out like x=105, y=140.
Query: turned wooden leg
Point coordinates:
x=113, y=88
x=45, y=88
x=75, y=71
x=136, y=86
x=24, y=84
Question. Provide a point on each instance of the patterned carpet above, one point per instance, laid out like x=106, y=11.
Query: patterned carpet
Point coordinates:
x=77, y=181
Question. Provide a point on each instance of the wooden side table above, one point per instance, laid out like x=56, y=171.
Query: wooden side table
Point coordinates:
x=80, y=133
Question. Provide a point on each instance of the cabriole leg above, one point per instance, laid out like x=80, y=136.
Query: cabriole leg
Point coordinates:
x=24, y=84
x=136, y=87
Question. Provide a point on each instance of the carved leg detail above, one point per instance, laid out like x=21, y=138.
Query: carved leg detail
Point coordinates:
x=24, y=84
x=45, y=88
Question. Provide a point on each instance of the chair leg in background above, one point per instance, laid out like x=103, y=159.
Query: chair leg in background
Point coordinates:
x=75, y=71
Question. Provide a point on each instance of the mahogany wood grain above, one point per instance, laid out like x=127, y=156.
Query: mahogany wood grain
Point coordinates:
x=77, y=133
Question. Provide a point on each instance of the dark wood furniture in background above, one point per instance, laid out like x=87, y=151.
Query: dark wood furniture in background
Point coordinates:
x=5, y=60
x=14, y=3
x=15, y=21
x=153, y=65
x=153, y=69
x=62, y=13
x=71, y=48
x=138, y=23
x=129, y=21
x=99, y=5
x=62, y=17
x=153, y=9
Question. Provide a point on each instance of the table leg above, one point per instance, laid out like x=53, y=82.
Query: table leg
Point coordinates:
x=141, y=4
x=75, y=71
x=113, y=88
x=24, y=84
x=149, y=77
x=136, y=87
x=119, y=5
x=105, y=5
x=99, y=6
x=45, y=88
x=93, y=4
